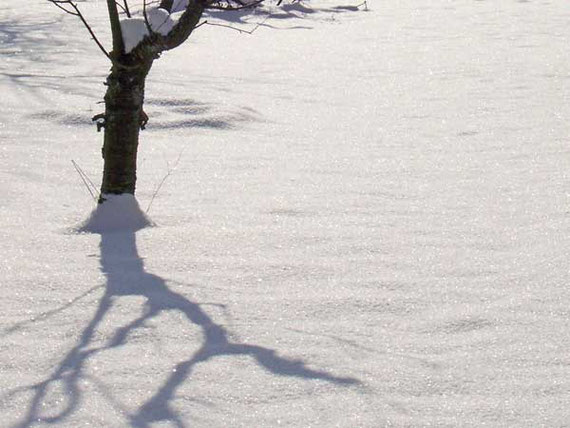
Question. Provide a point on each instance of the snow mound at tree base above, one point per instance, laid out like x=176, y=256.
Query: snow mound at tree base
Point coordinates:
x=119, y=213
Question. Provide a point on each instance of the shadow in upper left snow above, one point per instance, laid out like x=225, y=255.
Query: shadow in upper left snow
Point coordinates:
x=126, y=276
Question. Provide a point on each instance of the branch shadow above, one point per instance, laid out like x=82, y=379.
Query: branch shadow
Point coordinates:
x=29, y=38
x=126, y=276
x=40, y=55
x=291, y=11
x=169, y=114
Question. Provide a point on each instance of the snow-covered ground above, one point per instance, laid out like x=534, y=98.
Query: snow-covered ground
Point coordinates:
x=365, y=222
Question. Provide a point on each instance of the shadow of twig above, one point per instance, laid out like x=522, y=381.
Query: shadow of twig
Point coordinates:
x=48, y=314
x=126, y=276
x=292, y=11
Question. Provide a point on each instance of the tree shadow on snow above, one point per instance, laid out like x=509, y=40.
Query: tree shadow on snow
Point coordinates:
x=126, y=276
x=295, y=11
x=186, y=113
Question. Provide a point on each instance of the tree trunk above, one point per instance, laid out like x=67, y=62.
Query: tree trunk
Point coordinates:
x=123, y=119
x=124, y=115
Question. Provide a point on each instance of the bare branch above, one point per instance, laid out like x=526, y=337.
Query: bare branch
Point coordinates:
x=59, y=5
x=116, y=32
x=259, y=24
x=200, y=24
x=120, y=6
x=145, y=16
x=229, y=5
x=77, y=12
x=126, y=7
x=187, y=23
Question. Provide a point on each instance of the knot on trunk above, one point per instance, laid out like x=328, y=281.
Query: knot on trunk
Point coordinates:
x=143, y=120
x=100, y=120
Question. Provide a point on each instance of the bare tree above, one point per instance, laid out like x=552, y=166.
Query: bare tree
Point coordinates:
x=164, y=27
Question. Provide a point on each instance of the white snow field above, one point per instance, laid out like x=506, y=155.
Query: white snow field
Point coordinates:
x=363, y=221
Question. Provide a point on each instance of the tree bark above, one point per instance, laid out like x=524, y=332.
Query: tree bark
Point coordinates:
x=115, y=23
x=123, y=118
x=124, y=99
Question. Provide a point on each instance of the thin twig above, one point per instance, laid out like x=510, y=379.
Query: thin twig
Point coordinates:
x=145, y=16
x=86, y=181
x=60, y=3
x=126, y=7
x=200, y=24
x=57, y=4
x=259, y=24
x=168, y=174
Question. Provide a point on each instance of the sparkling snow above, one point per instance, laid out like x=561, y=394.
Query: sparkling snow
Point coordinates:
x=119, y=213
x=362, y=220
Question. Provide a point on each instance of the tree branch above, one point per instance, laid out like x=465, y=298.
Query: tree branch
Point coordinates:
x=228, y=5
x=126, y=7
x=60, y=3
x=185, y=25
x=116, y=32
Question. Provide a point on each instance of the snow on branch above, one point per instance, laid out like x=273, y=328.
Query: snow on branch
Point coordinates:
x=163, y=26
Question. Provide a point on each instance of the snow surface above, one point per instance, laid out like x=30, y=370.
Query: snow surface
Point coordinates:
x=363, y=221
x=119, y=213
